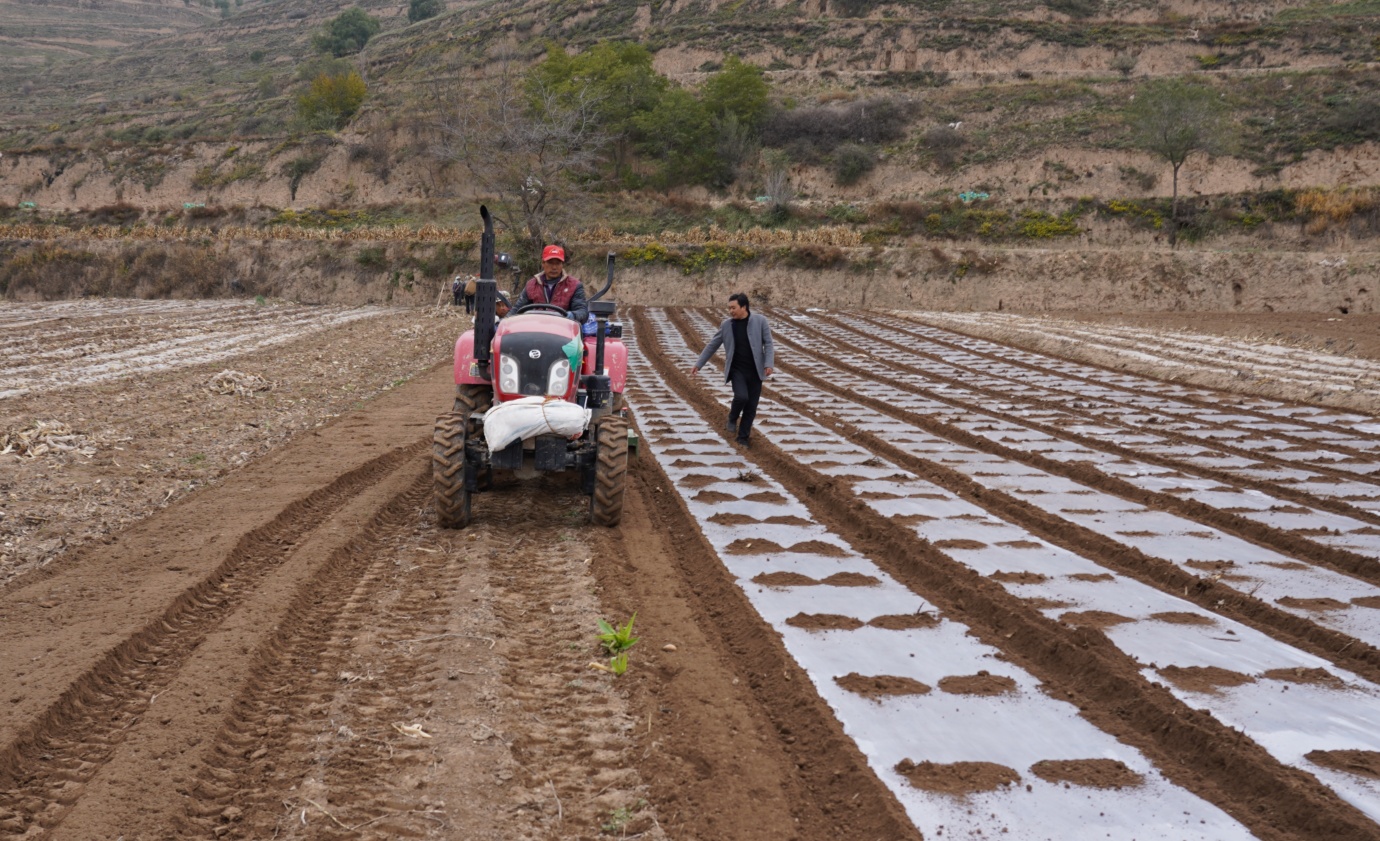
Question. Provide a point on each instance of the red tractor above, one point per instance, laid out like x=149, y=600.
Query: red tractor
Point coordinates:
x=535, y=352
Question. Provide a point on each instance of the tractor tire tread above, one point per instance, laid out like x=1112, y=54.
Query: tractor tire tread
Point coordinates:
x=610, y=471
x=448, y=471
x=472, y=398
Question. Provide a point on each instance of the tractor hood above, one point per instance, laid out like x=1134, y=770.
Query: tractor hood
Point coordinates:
x=537, y=355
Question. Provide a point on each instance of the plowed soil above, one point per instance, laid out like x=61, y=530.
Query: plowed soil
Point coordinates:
x=233, y=615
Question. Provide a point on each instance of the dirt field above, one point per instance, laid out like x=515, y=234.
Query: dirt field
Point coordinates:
x=955, y=589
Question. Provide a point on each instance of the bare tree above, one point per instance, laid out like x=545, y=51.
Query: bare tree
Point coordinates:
x=777, y=185
x=1173, y=119
x=537, y=155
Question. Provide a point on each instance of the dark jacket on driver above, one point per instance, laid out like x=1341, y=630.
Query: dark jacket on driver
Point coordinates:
x=568, y=293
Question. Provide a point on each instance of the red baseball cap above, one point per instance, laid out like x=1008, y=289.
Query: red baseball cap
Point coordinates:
x=553, y=252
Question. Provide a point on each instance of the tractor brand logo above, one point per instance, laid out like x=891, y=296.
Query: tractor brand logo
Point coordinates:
x=535, y=353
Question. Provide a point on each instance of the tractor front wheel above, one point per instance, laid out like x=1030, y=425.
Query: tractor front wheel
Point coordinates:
x=471, y=398
x=452, y=497
x=610, y=471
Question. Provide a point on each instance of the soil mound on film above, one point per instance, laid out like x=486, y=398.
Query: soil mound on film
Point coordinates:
x=851, y=579
x=1094, y=619
x=1316, y=677
x=1365, y=763
x=904, y=621
x=1018, y=577
x=958, y=778
x=881, y=686
x=1183, y=617
x=784, y=579
x=1094, y=773
x=1313, y=604
x=1203, y=678
x=824, y=622
x=981, y=683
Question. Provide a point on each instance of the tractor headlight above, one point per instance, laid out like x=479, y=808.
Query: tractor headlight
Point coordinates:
x=558, y=379
x=507, y=374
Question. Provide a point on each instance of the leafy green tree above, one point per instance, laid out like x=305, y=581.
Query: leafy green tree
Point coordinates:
x=738, y=89
x=1172, y=118
x=347, y=33
x=423, y=9
x=332, y=100
x=618, y=76
x=679, y=133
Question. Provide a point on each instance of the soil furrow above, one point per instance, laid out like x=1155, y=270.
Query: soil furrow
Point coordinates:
x=106, y=701
x=1220, y=352
x=1188, y=399
x=1341, y=649
x=290, y=686
x=1070, y=409
x=1190, y=747
x=555, y=693
x=831, y=793
x=1341, y=560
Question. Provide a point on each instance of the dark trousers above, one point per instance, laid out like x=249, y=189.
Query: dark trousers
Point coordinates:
x=469, y=303
x=747, y=390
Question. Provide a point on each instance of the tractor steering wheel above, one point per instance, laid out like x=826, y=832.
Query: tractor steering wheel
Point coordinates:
x=547, y=309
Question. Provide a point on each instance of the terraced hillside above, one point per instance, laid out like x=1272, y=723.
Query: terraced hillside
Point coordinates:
x=1035, y=95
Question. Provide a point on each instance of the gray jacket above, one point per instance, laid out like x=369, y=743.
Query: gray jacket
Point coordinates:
x=759, y=338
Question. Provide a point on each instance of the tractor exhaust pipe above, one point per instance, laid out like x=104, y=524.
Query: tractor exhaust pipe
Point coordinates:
x=485, y=294
x=608, y=283
x=602, y=320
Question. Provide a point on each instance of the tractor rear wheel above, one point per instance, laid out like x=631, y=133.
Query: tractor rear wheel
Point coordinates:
x=471, y=398
x=452, y=498
x=610, y=471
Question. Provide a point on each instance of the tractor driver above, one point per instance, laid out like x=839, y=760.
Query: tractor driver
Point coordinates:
x=554, y=286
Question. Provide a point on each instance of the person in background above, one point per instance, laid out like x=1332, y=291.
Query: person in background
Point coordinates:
x=471, y=286
x=746, y=339
x=455, y=288
x=553, y=286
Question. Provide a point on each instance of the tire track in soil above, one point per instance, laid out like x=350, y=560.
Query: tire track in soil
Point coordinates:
x=1225, y=477
x=754, y=719
x=1188, y=399
x=332, y=746
x=274, y=711
x=385, y=664
x=573, y=731
x=45, y=768
x=1341, y=649
x=1190, y=747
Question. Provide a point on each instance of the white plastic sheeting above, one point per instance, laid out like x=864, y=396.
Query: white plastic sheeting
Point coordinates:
x=1287, y=719
x=1017, y=730
x=528, y=417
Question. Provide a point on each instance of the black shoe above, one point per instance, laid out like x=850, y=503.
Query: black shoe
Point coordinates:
x=744, y=443
x=732, y=426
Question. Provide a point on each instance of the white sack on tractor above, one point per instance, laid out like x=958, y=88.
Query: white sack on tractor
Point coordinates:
x=527, y=417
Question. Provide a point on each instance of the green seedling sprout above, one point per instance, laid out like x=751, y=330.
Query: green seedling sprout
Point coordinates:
x=617, y=640
x=619, y=664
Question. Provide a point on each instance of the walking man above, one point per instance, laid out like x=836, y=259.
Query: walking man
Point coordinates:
x=746, y=339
